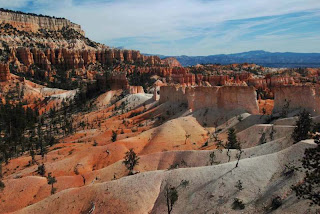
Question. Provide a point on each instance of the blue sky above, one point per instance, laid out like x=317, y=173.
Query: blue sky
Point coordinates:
x=190, y=27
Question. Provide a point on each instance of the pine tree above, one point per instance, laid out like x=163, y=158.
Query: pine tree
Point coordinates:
x=232, y=140
x=51, y=180
x=303, y=126
x=172, y=196
x=41, y=170
x=309, y=188
x=131, y=160
x=114, y=136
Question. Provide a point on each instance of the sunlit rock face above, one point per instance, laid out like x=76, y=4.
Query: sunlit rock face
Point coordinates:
x=225, y=98
x=297, y=98
x=31, y=23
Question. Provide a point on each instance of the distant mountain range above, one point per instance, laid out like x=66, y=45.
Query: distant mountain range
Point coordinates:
x=267, y=59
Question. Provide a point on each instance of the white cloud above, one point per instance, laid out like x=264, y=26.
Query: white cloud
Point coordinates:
x=12, y=3
x=151, y=21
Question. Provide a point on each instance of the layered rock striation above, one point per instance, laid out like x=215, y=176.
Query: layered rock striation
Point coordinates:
x=297, y=98
x=225, y=98
x=67, y=59
x=33, y=23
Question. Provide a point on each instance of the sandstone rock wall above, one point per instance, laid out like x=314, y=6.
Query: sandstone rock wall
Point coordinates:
x=299, y=97
x=173, y=94
x=118, y=81
x=31, y=23
x=156, y=93
x=202, y=97
x=136, y=90
x=225, y=98
x=269, y=82
x=238, y=97
x=75, y=59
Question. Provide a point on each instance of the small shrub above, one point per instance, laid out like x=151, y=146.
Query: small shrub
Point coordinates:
x=70, y=152
x=263, y=138
x=173, y=166
x=114, y=136
x=271, y=135
x=239, y=185
x=289, y=170
x=205, y=144
x=238, y=204
x=75, y=170
x=212, y=158
x=184, y=183
x=2, y=186
x=41, y=170
x=276, y=203
x=264, y=111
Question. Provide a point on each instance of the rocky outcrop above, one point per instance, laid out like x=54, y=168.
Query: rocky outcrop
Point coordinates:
x=74, y=59
x=297, y=98
x=32, y=23
x=156, y=93
x=25, y=56
x=171, y=62
x=118, y=81
x=216, y=80
x=225, y=98
x=175, y=94
x=271, y=81
x=4, y=72
x=136, y=90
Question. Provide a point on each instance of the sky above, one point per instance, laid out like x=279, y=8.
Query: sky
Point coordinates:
x=190, y=27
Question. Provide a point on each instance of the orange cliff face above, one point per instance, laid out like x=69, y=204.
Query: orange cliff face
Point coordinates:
x=77, y=59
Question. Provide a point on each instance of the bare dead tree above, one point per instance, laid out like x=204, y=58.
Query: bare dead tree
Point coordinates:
x=240, y=151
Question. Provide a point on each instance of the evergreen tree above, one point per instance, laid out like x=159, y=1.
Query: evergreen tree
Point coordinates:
x=131, y=160
x=52, y=180
x=309, y=188
x=171, y=194
x=114, y=136
x=232, y=140
x=303, y=126
x=2, y=186
x=41, y=170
